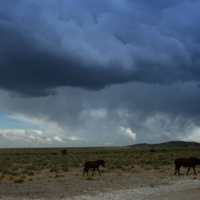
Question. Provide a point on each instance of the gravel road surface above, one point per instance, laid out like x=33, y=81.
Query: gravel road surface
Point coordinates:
x=176, y=190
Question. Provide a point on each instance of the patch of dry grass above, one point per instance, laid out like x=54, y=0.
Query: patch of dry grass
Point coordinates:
x=89, y=178
x=19, y=180
x=31, y=161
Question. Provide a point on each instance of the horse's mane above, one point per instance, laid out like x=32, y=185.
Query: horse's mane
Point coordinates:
x=194, y=158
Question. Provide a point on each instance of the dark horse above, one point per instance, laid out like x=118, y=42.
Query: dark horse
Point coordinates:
x=186, y=162
x=93, y=164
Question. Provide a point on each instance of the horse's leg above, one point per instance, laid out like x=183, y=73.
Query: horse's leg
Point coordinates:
x=194, y=170
x=99, y=171
x=175, y=170
x=87, y=170
x=93, y=171
x=178, y=169
x=188, y=169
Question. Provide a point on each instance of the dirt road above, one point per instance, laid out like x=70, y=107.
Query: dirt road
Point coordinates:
x=135, y=184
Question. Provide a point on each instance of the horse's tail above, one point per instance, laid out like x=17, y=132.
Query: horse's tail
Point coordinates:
x=85, y=170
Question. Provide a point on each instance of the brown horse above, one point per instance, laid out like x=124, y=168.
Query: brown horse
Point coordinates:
x=93, y=164
x=186, y=162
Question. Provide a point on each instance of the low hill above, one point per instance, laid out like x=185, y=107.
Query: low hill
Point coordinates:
x=170, y=143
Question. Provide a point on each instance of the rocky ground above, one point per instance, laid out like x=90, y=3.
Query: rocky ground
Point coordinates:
x=137, y=183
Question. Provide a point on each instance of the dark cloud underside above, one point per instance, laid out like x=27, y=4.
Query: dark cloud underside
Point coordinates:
x=48, y=45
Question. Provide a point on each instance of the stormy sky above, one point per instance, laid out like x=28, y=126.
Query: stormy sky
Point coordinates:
x=99, y=73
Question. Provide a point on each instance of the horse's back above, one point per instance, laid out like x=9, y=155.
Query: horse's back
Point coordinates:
x=89, y=163
x=184, y=162
x=93, y=164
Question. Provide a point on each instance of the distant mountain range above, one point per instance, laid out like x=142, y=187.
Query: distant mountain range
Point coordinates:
x=171, y=143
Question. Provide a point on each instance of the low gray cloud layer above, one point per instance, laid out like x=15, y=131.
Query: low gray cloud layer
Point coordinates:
x=102, y=71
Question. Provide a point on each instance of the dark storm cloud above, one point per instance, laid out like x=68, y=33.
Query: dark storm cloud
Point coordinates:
x=31, y=71
x=50, y=44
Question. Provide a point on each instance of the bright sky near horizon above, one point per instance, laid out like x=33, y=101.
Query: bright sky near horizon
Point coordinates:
x=99, y=73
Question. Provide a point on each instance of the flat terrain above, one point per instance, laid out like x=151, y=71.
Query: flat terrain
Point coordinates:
x=68, y=185
x=130, y=173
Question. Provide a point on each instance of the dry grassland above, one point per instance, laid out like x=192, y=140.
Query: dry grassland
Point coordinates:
x=57, y=172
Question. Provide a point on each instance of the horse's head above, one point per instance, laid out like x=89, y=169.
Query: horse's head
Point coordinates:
x=198, y=161
x=195, y=160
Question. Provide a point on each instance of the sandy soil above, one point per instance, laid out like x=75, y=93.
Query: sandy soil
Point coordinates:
x=49, y=185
